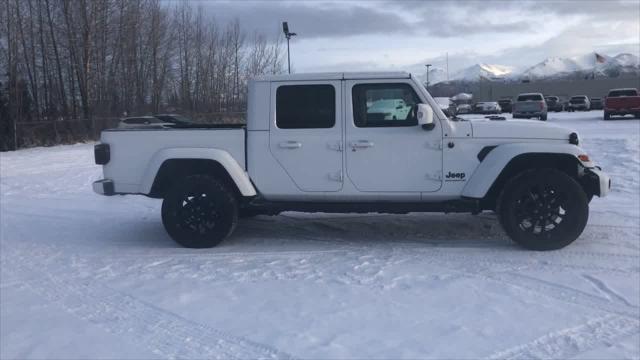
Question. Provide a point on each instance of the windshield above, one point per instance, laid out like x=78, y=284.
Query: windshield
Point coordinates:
x=626, y=92
x=579, y=100
x=530, y=97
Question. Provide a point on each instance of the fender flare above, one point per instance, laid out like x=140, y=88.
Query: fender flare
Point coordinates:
x=491, y=167
x=235, y=171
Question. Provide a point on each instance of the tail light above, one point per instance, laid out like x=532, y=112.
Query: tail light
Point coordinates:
x=542, y=105
x=102, y=154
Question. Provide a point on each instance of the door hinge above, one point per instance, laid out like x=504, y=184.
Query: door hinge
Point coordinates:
x=336, y=176
x=436, y=176
x=436, y=145
x=337, y=146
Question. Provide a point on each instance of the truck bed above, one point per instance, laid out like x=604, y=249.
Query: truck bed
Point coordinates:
x=132, y=150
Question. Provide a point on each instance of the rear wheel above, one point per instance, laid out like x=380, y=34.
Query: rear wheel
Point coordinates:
x=199, y=212
x=543, y=209
x=607, y=116
x=543, y=117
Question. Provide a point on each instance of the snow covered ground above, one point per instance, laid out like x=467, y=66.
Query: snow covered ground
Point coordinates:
x=85, y=276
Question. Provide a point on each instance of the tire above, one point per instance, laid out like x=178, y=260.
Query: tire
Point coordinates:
x=543, y=117
x=564, y=202
x=637, y=115
x=199, y=212
x=607, y=116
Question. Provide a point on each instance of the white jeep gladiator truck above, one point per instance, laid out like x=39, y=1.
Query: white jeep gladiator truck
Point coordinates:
x=354, y=142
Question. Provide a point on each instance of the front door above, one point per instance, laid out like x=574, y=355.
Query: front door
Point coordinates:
x=306, y=133
x=386, y=149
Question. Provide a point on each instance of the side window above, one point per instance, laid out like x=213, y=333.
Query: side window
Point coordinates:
x=384, y=105
x=305, y=106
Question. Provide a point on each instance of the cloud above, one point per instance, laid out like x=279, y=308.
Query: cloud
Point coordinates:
x=311, y=20
x=349, y=19
x=375, y=35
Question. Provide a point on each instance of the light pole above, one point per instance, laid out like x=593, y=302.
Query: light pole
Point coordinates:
x=428, y=66
x=288, y=35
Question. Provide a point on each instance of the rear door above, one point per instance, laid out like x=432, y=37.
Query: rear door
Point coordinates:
x=305, y=134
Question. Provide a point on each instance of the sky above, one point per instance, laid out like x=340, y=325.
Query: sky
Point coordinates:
x=405, y=35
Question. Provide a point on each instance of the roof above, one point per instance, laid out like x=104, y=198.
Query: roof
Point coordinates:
x=334, y=76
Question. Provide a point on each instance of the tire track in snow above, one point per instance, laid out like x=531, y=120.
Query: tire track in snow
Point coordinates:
x=570, y=342
x=565, y=294
x=607, y=291
x=164, y=333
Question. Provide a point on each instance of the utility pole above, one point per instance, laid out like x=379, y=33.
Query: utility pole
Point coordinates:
x=447, y=66
x=288, y=35
x=428, y=66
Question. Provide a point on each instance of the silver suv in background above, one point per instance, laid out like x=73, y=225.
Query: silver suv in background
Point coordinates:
x=579, y=102
x=530, y=105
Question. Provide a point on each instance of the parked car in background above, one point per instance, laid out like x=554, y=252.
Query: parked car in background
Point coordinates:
x=596, y=104
x=554, y=103
x=174, y=119
x=393, y=109
x=530, y=105
x=141, y=121
x=579, y=102
x=447, y=106
x=464, y=109
x=488, y=107
x=506, y=104
x=622, y=102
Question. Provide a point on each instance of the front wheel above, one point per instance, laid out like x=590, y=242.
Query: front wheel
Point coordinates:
x=199, y=212
x=543, y=209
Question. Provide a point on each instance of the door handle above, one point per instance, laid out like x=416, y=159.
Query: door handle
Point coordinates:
x=290, y=145
x=361, y=144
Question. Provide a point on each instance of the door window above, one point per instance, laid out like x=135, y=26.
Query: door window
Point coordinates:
x=384, y=105
x=305, y=106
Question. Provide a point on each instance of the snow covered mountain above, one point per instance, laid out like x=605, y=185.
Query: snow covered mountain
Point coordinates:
x=483, y=71
x=552, y=66
x=590, y=64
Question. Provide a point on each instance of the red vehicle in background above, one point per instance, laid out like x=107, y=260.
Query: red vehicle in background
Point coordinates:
x=622, y=102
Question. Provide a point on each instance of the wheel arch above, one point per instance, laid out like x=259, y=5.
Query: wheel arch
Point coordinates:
x=169, y=164
x=506, y=161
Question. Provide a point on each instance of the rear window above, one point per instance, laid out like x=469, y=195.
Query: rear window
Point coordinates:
x=618, y=93
x=530, y=97
x=577, y=100
x=305, y=106
x=552, y=98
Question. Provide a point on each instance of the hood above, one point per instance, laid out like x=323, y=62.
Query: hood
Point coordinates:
x=518, y=129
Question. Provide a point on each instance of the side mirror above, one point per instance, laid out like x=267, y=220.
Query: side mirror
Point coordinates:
x=424, y=113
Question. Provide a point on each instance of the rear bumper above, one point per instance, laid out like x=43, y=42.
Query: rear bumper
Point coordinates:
x=620, y=111
x=104, y=187
x=597, y=181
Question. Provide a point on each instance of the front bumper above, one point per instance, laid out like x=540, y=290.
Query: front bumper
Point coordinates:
x=597, y=181
x=104, y=187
